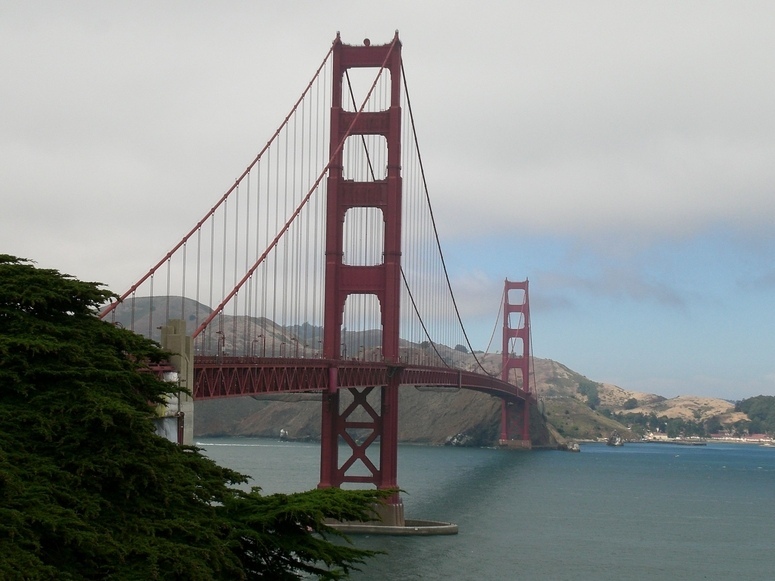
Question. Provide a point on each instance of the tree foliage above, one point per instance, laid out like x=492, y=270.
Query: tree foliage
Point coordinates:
x=88, y=491
x=673, y=427
x=589, y=389
x=761, y=413
x=631, y=404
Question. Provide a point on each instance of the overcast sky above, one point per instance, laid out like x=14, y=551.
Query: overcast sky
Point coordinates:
x=620, y=155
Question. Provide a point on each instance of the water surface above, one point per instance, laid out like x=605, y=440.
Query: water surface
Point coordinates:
x=642, y=511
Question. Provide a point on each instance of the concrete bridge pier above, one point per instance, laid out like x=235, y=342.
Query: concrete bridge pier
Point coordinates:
x=180, y=405
x=392, y=512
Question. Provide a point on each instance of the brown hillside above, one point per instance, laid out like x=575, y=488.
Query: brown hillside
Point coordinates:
x=424, y=416
x=692, y=407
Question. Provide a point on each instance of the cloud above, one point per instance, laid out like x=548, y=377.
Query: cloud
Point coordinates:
x=478, y=294
x=615, y=283
x=618, y=121
x=617, y=154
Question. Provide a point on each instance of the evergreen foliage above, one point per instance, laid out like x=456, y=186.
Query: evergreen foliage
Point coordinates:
x=589, y=389
x=631, y=404
x=673, y=427
x=761, y=413
x=89, y=491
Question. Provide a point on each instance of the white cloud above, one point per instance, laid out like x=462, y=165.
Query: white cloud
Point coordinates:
x=608, y=128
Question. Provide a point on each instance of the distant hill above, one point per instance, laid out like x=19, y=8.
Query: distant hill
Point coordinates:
x=569, y=399
x=145, y=315
x=570, y=402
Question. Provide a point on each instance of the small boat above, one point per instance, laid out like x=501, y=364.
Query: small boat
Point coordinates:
x=615, y=439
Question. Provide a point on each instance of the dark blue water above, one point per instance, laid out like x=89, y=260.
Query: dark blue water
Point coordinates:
x=642, y=511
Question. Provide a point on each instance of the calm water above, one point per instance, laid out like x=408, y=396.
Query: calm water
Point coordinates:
x=642, y=511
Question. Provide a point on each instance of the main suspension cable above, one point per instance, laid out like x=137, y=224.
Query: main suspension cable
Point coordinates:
x=433, y=223
x=219, y=309
x=403, y=275
x=223, y=198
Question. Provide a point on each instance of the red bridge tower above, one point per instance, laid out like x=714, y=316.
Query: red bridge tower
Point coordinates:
x=515, y=422
x=382, y=280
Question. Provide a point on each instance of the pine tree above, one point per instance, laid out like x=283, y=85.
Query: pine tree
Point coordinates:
x=89, y=491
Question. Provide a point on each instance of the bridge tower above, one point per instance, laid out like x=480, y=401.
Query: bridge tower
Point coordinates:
x=515, y=416
x=382, y=280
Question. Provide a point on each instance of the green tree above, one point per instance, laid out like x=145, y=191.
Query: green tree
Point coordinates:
x=760, y=411
x=88, y=491
x=713, y=425
x=589, y=389
x=631, y=404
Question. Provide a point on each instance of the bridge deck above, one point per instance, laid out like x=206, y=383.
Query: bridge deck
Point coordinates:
x=217, y=377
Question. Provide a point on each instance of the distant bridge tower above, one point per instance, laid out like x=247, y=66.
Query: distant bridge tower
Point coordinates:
x=382, y=280
x=515, y=416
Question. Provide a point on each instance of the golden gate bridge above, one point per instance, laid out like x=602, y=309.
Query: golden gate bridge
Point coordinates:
x=319, y=270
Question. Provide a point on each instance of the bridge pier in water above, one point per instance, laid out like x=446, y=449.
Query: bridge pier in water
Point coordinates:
x=380, y=424
x=515, y=426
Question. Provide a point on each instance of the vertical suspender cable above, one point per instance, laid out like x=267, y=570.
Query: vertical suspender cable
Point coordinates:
x=132, y=316
x=212, y=273
x=285, y=240
x=433, y=223
x=259, y=277
x=224, y=260
x=247, y=311
x=167, y=306
x=316, y=213
x=235, y=250
x=198, y=273
x=296, y=243
x=183, y=289
x=267, y=218
x=150, y=309
x=274, y=278
x=307, y=139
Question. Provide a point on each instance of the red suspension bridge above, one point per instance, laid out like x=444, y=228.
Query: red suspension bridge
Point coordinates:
x=320, y=270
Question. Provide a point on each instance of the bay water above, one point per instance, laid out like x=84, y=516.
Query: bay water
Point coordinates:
x=640, y=511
